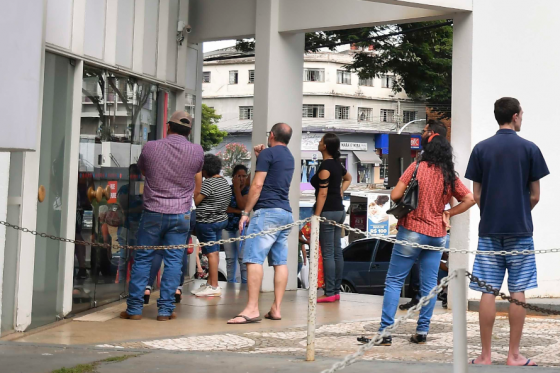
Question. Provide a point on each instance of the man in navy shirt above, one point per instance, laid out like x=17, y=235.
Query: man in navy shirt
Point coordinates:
x=505, y=170
x=269, y=198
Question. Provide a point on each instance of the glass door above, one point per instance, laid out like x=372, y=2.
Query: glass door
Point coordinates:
x=56, y=122
x=119, y=115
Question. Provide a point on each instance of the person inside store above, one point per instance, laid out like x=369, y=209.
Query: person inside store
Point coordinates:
x=170, y=166
x=426, y=225
x=330, y=183
x=234, y=250
x=211, y=219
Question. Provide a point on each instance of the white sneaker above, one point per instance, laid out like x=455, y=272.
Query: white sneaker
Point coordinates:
x=202, y=287
x=209, y=291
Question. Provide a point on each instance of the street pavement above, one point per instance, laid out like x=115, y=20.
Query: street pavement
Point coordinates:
x=16, y=358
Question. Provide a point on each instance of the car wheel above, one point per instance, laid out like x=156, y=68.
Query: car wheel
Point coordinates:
x=221, y=277
x=347, y=288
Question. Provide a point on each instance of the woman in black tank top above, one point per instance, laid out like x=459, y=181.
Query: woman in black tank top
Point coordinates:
x=330, y=182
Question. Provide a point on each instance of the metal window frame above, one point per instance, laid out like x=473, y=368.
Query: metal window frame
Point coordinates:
x=369, y=115
x=248, y=110
x=234, y=73
x=339, y=110
x=307, y=73
x=206, y=74
x=310, y=107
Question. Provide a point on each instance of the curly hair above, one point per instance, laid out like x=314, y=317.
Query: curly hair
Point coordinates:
x=439, y=153
x=212, y=165
x=381, y=200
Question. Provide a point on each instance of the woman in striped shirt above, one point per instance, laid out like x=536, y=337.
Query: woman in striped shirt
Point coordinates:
x=211, y=218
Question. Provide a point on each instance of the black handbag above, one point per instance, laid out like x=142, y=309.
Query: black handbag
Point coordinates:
x=409, y=201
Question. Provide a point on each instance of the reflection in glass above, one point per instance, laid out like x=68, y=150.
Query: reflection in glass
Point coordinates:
x=119, y=115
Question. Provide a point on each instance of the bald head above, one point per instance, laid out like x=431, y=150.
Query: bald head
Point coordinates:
x=282, y=133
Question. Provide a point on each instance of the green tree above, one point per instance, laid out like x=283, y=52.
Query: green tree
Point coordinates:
x=210, y=135
x=233, y=155
x=419, y=54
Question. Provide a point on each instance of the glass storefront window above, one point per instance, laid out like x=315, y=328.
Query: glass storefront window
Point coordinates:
x=119, y=115
x=309, y=168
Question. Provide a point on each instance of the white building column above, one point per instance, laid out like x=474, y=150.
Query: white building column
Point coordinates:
x=278, y=98
x=493, y=58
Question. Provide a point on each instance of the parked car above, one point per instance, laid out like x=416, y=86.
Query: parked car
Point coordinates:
x=366, y=263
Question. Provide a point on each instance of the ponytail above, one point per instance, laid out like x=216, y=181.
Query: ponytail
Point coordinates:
x=332, y=143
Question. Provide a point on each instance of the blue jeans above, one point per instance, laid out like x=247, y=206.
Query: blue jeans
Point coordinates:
x=158, y=258
x=234, y=255
x=158, y=229
x=274, y=245
x=208, y=232
x=415, y=274
x=333, y=262
x=402, y=260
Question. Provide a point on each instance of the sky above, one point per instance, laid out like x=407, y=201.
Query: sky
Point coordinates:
x=210, y=46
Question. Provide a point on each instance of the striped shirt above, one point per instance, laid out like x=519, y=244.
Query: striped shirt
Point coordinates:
x=169, y=166
x=427, y=218
x=213, y=207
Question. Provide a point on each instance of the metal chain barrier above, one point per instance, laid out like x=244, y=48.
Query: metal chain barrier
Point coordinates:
x=497, y=293
x=109, y=246
x=435, y=248
x=350, y=359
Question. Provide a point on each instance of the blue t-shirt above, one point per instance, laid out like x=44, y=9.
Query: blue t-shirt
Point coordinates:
x=233, y=219
x=278, y=163
x=505, y=165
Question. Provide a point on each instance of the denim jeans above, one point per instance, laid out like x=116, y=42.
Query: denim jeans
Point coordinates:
x=208, y=232
x=273, y=246
x=333, y=262
x=158, y=258
x=234, y=255
x=402, y=260
x=158, y=229
x=415, y=274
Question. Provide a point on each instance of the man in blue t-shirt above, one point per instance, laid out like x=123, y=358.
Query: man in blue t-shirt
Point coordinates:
x=505, y=170
x=269, y=198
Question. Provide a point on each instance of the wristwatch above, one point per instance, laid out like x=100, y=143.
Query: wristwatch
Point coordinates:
x=243, y=213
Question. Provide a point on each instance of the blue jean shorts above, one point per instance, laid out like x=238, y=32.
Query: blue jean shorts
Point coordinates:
x=274, y=245
x=521, y=269
x=206, y=232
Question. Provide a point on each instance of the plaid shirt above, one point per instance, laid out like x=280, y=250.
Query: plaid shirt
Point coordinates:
x=169, y=166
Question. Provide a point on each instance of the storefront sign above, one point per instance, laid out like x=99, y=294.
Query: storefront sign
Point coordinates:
x=358, y=216
x=353, y=146
x=379, y=222
x=311, y=141
x=113, y=188
x=415, y=142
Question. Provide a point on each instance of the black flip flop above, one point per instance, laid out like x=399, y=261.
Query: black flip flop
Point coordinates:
x=270, y=317
x=179, y=296
x=527, y=364
x=248, y=320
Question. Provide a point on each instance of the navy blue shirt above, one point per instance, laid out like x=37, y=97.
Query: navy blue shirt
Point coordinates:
x=233, y=219
x=505, y=165
x=278, y=163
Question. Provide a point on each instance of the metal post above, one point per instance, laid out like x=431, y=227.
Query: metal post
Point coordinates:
x=460, y=322
x=313, y=270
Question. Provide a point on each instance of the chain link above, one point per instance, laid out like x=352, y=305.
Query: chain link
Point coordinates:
x=128, y=247
x=350, y=359
x=435, y=248
x=497, y=293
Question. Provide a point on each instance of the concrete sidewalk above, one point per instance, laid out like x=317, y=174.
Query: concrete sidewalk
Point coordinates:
x=16, y=358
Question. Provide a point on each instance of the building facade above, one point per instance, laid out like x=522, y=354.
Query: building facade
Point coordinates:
x=361, y=111
x=102, y=78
